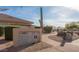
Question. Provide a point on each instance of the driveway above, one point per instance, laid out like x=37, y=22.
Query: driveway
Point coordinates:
x=69, y=47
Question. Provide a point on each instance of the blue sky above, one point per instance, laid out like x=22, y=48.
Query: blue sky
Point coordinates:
x=55, y=15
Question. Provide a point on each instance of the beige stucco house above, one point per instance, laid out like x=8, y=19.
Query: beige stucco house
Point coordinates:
x=21, y=31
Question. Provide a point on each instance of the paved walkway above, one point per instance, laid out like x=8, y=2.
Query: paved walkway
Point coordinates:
x=69, y=47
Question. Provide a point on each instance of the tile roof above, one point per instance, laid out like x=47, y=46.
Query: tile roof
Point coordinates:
x=4, y=18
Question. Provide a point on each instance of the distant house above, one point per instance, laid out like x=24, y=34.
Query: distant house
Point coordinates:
x=20, y=31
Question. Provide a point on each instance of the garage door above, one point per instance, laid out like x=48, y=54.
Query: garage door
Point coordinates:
x=23, y=38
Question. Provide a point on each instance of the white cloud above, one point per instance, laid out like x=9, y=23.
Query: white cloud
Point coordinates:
x=53, y=22
x=74, y=7
x=63, y=16
x=60, y=22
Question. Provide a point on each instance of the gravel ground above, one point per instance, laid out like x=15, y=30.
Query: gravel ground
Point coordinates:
x=37, y=47
x=59, y=39
x=50, y=43
x=8, y=47
x=69, y=47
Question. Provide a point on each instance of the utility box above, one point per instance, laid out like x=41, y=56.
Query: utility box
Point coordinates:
x=24, y=36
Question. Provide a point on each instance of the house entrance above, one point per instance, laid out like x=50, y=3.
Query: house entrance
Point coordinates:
x=8, y=33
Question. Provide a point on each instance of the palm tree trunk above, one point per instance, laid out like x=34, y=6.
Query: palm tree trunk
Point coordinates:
x=41, y=18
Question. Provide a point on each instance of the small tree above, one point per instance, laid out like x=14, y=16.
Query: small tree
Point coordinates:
x=47, y=29
x=72, y=26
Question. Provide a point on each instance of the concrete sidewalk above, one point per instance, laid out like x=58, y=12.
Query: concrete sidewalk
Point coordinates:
x=69, y=47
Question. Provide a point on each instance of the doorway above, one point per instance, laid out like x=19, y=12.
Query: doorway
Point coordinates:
x=8, y=33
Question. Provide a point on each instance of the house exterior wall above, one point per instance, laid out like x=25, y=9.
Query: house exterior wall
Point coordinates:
x=26, y=36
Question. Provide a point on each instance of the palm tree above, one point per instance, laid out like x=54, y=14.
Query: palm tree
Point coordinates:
x=41, y=18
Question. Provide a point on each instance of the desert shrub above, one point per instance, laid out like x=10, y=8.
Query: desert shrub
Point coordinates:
x=47, y=29
x=72, y=26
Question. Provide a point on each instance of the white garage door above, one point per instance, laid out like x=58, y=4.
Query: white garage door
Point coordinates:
x=26, y=38
x=23, y=38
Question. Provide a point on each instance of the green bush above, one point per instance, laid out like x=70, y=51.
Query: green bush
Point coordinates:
x=47, y=29
x=1, y=31
x=72, y=25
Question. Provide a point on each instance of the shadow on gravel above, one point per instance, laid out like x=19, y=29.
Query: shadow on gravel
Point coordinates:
x=3, y=41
